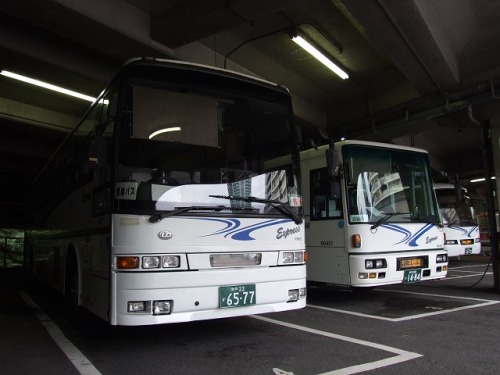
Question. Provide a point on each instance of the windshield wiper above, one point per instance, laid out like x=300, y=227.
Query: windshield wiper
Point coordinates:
x=387, y=216
x=179, y=210
x=427, y=220
x=280, y=206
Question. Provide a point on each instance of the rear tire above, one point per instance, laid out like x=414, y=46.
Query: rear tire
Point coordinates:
x=71, y=292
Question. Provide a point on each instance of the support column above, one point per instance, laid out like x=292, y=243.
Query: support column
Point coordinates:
x=488, y=165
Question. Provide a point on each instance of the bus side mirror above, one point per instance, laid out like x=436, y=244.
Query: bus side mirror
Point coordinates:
x=459, y=194
x=97, y=153
x=332, y=162
x=332, y=168
x=334, y=189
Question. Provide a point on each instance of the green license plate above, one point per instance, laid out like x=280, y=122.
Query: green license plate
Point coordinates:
x=412, y=276
x=468, y=250
x=236, y=296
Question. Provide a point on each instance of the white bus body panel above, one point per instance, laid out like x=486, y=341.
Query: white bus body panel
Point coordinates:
x=332, y=259
x=460, y=234
x=194, y=287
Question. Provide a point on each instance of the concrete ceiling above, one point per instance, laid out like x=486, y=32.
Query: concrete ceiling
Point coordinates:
x=421, y=71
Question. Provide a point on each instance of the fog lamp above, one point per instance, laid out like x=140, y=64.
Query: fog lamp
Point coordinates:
x=162, y=307
x=136, y=306
x=362, y=275
x=293, y=295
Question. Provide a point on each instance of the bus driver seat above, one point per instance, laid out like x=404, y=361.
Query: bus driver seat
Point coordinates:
x=159, y=176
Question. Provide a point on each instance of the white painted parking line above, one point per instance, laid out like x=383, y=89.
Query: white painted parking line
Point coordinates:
x=401, y=355
x=82, y=364
x=481, y=303
x=461, y=267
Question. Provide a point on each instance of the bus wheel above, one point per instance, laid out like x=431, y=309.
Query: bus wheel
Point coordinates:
x=362, y=289
x=71, y=294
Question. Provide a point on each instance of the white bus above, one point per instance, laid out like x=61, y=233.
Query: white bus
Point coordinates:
x=371, y=215
x=167, y=203
x=461, y=228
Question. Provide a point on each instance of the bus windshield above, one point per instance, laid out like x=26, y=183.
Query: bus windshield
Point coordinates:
x=388, y=185
x=205, y=149
x=454, y=212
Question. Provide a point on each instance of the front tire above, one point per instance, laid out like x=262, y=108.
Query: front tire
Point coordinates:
x=72, y=286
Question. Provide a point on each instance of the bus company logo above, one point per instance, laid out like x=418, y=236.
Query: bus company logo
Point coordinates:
x=284, y=233
x=430, y=239
x=165, y=235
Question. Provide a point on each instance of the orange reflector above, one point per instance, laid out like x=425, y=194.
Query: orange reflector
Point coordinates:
x=306, y=256
x=127, y=262
x=445, y=268
x=356, y=240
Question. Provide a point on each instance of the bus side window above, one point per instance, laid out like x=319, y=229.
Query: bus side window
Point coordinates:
x=322, y=204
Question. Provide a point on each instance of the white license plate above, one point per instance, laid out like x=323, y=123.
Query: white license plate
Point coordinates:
x=412, y=276
x=237, y=296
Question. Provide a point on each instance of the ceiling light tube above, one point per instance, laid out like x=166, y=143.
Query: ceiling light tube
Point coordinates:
x=46, y=85
x=319, y=56
x=165, y=130
x=481, y=179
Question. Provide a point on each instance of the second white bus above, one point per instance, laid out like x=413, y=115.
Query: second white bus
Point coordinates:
x=371, y=215
x=460, y=223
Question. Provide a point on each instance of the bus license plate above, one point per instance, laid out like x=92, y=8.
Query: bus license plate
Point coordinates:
x=468, y=250
x=412, y=276
x=236, y=296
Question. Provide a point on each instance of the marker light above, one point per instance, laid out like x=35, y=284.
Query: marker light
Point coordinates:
x=356, y=240
x=124, y=263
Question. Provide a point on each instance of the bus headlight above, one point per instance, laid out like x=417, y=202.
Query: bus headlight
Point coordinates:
x=375, y=263
x=441, y=258
x=293, y=257
x=150, y=262
x=171, y=261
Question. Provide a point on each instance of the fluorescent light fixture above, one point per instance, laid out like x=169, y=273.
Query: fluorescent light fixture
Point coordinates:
x=319, y=56
x=481, y=179
x=165, y=130
x=46, y=85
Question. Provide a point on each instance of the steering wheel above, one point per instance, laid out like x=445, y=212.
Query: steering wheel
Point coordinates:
x=161, y=177
x=165, y=180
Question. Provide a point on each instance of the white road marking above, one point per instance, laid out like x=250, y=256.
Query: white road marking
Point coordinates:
x=401, y=355
x=449, y=277
x=483, y=302
x=82, y=364
x=461, y=267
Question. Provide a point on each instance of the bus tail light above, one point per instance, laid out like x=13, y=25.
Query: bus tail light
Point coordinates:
x=127, y=263
x=356, y=240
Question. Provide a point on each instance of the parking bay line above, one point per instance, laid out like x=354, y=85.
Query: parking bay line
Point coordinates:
x=417, y=316
x=81, y=363
x=401, y=355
